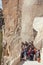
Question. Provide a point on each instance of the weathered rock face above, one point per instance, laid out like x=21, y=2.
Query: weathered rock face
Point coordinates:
x=11, y=33
x=30, y=10
x=39, y=28
x=18, y=17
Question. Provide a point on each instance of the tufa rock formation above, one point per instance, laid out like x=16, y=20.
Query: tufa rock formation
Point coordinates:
x=18, y=17
x=11, y=30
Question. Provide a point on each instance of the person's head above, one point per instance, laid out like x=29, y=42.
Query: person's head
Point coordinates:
x=32, y=46
x=35, y=49
x=30, y=49
x=26, y=44
x=22, y=43
x=29, y=45
x=31, y=42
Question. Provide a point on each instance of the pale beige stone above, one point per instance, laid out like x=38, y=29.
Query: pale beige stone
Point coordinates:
x=19, y=17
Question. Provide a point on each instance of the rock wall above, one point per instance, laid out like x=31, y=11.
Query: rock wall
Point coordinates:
x=30, y=10
x=11, y=30
x=18, y=16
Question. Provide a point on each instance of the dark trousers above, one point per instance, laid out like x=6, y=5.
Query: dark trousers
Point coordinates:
x=31, y=57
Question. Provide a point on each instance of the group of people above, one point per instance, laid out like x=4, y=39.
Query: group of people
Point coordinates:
x=28, y=51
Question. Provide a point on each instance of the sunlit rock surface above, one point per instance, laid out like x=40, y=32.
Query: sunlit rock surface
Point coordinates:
x=38, y=26
x=32, y=63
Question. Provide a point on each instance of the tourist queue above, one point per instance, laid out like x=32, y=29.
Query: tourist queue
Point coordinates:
x=29, y=52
